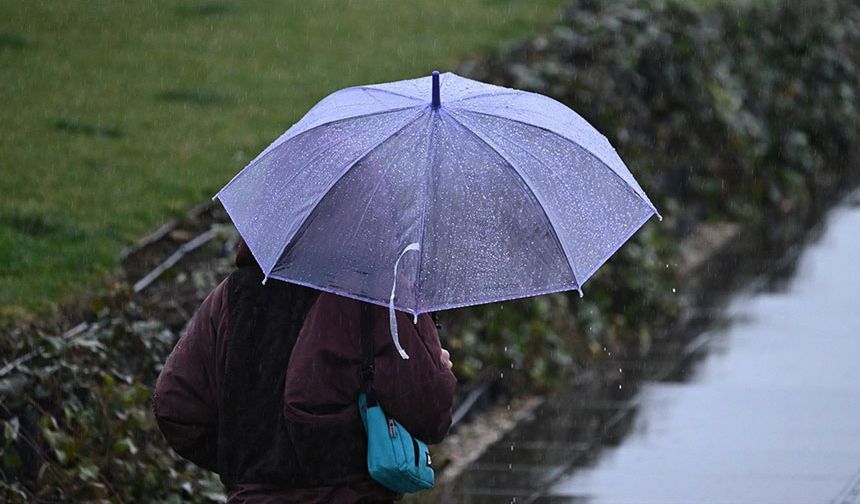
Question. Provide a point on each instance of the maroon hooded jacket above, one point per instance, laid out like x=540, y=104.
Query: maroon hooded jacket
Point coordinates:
x=320, y=390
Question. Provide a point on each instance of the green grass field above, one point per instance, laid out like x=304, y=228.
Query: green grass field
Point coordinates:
x=118, y=115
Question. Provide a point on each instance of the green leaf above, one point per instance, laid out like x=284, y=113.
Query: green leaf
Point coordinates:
x=10, y=430
x=62, y=458
x=125, y=446
x=88, y=472
x=11, y=460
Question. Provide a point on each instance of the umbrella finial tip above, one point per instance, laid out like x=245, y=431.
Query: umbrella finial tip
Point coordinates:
x=437, y=101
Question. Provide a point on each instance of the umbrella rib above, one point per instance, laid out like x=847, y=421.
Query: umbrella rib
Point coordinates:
x=530, y=190
x=484, y=95
x=369, y=88
x=587, y=151
x=432, y=155
x=271, y=148
x=346, y=170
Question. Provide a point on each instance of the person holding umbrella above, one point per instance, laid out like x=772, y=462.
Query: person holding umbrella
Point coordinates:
x=393, y=196
x=262, y=389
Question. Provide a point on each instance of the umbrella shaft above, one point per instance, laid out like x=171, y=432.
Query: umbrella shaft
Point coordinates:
x=436, y=98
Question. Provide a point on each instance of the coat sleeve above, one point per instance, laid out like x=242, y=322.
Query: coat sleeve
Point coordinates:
x=419, y=391
x=185, y=401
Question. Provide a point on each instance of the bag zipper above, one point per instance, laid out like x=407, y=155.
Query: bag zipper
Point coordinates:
x=417, y=451
x=392, y=429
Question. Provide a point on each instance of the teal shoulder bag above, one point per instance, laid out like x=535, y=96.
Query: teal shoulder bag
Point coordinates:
x=395, y=459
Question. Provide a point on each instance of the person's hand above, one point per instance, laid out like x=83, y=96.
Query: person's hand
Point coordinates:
x=445, y=359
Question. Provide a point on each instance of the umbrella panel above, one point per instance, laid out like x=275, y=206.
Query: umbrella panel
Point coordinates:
x=592, y=209
x=270, y=200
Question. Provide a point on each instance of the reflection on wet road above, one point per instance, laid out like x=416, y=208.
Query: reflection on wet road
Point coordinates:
x=771, y=415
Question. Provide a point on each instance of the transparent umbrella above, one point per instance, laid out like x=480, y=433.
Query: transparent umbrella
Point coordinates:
x=434, y=193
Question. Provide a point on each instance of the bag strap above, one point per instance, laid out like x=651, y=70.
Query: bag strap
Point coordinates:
x=367, y=351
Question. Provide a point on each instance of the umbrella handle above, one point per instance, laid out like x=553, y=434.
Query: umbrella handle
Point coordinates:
x=392, y=316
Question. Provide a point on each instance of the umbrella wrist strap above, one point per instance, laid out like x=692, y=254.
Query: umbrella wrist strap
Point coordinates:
x=367, y=353
x=392, y=316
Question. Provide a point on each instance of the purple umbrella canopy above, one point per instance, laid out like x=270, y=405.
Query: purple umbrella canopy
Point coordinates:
x=436, y=193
